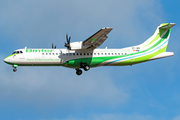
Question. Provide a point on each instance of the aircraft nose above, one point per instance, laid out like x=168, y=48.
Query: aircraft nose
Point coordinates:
x=6, y=60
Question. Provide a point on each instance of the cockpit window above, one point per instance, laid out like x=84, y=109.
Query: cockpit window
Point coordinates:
x=14, y=52
x=17, y=52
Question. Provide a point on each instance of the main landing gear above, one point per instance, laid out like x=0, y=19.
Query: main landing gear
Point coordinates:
x=85, y=66
x=78, y=71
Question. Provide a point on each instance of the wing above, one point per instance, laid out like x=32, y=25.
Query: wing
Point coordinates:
x=97, y=39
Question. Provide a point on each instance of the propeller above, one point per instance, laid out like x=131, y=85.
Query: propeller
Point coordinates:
x=68, y=42
x=53, y=47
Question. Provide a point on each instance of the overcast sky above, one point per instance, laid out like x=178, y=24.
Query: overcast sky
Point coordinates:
x=147, y=91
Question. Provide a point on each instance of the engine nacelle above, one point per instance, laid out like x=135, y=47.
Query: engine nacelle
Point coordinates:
x=77, y=45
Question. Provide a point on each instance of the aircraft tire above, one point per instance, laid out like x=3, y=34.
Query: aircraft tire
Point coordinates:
x=86, y=67
x=14, y=69
x=78, y=71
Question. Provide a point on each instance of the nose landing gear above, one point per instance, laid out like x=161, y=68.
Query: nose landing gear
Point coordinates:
x=15, y=68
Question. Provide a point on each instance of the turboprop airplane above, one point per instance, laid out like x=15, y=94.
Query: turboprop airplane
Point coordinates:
x=85, y=55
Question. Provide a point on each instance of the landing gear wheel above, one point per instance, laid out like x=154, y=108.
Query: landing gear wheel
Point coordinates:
x=14, y=69
x=78, y=71
x=86, y=67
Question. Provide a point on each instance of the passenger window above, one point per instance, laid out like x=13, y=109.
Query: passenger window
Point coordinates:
x=18, y=52
x=119, y=54
x=80, y=53
x=87, y=53
x=42, y=53
x=21, y=52
x=105, y=53
x=46, y=53
x=125, y=53
x=101, y=53
x=115, y=53
x=98, y=54
x=73, y=53
x=84, y=53
x=108, y=53
x=76, y=53
x=91, y=53
x=94, y=53
x=49, y=53
x=56, y=53
x=53, y=53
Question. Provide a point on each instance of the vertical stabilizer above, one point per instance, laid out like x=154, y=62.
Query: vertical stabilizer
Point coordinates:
x=160, y=37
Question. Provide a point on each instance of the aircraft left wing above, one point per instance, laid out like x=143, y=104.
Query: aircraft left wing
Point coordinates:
x=97, y=39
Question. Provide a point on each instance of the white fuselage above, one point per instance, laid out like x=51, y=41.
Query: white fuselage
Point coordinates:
x=59, y=56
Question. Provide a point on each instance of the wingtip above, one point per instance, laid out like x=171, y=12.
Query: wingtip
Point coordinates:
x=107, y=28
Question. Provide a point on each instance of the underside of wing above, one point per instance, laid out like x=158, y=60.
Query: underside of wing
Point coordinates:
x=97, y=39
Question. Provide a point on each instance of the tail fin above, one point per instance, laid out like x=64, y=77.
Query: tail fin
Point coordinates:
x=160, y=37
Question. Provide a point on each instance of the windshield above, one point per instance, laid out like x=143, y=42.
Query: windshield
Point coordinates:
x=14, y=52
x=17, y=52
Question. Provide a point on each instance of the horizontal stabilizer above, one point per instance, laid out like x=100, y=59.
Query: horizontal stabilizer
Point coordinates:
x=168, y=26
x=162, y=55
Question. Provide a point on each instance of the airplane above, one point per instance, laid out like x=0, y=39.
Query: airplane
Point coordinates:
x=86, y=55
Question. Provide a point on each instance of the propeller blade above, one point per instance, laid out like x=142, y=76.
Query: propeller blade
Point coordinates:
x=55, y=47
x=66, y=36
x=52, y=45
x=65, y=44
x=68, y=42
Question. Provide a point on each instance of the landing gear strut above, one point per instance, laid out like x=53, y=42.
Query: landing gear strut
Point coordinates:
x=78, y=71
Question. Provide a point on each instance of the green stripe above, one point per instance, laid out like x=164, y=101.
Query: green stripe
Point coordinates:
x=11, y=55
x=161, y=31
x=157, y=36
x=140, y=59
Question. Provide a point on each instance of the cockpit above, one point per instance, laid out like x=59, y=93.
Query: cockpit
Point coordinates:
x=17, y=52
